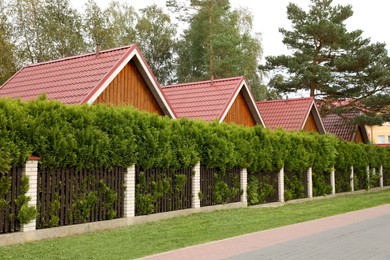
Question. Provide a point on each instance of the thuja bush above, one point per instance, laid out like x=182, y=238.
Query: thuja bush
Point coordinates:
x=104, y=136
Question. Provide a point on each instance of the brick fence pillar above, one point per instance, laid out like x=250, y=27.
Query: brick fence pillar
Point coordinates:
x=309, y=182
x=31, y=171
x=381, y=176
x=281, y=185
x=243, y=185
x=333, y=181
x=351, y=179
x=196, y=186
x=129, y=199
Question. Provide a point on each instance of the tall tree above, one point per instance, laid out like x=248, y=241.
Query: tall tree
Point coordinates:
x=219, y=43
x=62, y=31
x=96, y=26
x=27, y=29
x=156, y=39
x=122, y=19
x=328, y=60
x=7, y=59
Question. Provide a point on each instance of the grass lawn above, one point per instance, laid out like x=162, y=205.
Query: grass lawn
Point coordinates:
x=141, y=240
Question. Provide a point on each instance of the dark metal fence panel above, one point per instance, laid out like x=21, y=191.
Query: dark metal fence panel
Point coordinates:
x=342, y=180
x=386, y=176
x=266, y=185
x=162, y=190
x=295, y=185
x=210, y=178
x=69, y=196
x=8, y=208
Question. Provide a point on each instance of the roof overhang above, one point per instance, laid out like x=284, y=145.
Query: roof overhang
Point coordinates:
x=135, y=55
x=249, y=99
x=364, y=133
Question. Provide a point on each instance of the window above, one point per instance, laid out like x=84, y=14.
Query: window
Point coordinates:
x=388, y=139
x=381, y=139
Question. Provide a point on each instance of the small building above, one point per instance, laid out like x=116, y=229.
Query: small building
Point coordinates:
x=379, y=134
x=291, y=114
x=119, y=76
x=226, y=100
x=342, y=127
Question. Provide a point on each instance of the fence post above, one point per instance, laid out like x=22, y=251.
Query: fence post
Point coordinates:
x=31, y=171
x=244, y=184
x=129, y=199
x=310, y=182
x=281, y=185
x=368, y=176
x=196, y=186
x=381, y=176
x=333, y=181
x=351, y=179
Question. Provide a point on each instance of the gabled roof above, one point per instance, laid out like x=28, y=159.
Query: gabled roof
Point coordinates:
x=340, y=126
x=289, y=114
x=210, y=100
x=80, y=79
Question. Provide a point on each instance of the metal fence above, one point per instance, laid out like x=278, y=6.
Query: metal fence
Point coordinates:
x=69, y=196
x=213, y=188
x=8, y=207
x=162, y=190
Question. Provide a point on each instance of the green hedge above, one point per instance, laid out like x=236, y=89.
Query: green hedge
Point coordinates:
x=103, y=136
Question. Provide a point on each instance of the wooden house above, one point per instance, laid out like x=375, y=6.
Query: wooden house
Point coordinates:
x=292, y=114
x=226, y=100
x=342, y=127
x=119, y=76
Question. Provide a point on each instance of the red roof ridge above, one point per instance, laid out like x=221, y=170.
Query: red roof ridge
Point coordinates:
x=77, y=56
x=285, y=100
x=202, y=82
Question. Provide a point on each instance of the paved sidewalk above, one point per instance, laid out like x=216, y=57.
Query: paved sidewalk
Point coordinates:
x=359, y=235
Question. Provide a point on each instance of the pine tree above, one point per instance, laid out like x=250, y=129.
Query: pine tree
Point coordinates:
x=327, y=60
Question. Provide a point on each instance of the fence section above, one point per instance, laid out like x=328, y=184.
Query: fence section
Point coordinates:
x=219, y=187
x=162, y=190
x=10, y=190
x=295, y=185
x=262, y=187
x=69, y=196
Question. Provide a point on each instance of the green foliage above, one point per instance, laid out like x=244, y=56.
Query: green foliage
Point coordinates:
x=330, y=61
x=294, y=186
x=26, y=214
x=168, y=186
x=259, y=191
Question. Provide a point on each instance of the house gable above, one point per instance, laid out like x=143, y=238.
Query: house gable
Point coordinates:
x=130, y=88
x=310, y=124
x=358, y=136
x=239, y=113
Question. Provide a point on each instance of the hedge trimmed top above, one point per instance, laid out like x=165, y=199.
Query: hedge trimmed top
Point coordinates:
x=103, y=136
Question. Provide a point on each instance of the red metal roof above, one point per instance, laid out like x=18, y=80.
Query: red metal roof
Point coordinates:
x=79, y=79
x=340, y=126
x=207, y=100
x=68, y=80
x=289, y=114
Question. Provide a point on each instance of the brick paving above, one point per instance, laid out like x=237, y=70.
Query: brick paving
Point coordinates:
x=362, y=234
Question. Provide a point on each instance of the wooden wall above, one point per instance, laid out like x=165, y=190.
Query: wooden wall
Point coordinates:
x=129, y=88
x=239, y=113
x=358, y=137
x=310, y=125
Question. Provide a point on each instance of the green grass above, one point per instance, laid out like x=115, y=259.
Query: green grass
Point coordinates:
x=140, y=240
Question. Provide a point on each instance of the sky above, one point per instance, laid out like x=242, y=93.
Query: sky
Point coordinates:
x=371, y=16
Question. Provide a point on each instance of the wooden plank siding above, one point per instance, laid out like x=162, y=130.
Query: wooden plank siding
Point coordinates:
x=129, y=88
x=239, y=113
x=358, y=136
x=310, y=125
